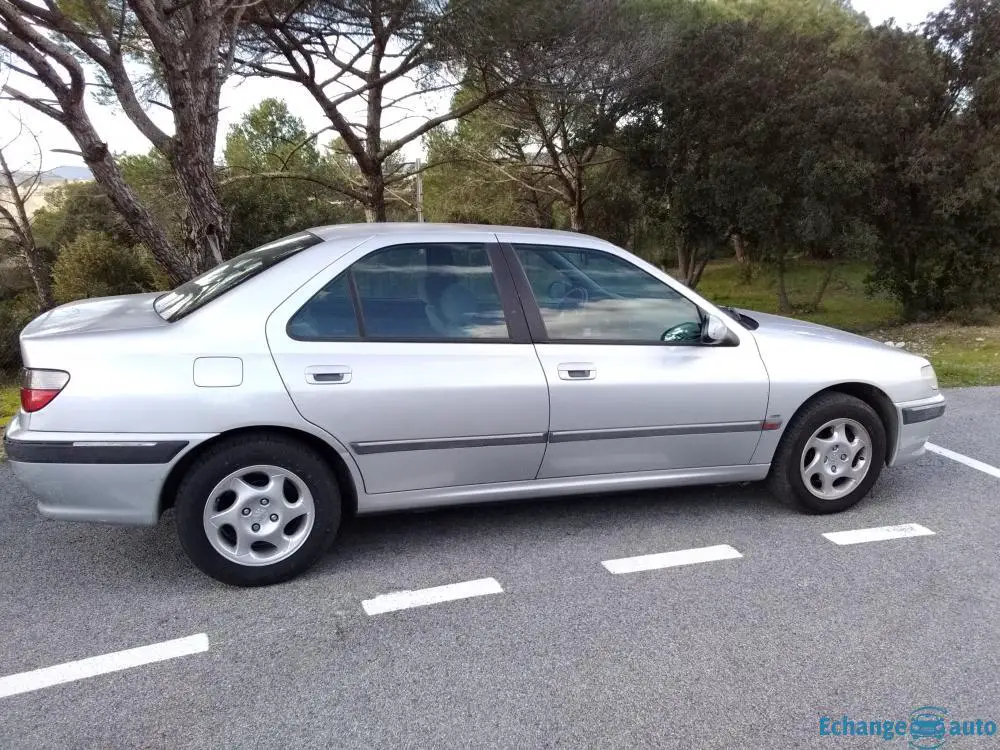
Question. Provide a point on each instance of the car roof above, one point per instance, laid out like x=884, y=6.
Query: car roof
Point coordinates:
x=349, y=231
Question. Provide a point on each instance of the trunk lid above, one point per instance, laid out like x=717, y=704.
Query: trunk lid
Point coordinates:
x=98, y=315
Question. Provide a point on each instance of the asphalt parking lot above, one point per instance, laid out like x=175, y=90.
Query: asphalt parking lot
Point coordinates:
x=738, y=652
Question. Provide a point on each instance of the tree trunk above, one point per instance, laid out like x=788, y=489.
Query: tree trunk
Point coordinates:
x=633, y=236
x=697, y=270
x=783, y=304
x=375, y=209
x=683, y=258
x=818, y=297
x=739, y=247
x=576, y=218
x=39, y=271
x=537, y=209
x=206, y=224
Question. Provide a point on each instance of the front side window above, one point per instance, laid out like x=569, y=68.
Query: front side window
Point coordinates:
x=409, y=292
x=590, y=295
x=226, y=276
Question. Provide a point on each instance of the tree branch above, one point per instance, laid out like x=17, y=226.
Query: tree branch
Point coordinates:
x=302, y=176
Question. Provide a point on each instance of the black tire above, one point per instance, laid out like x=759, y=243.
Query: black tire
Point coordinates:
x=785, y=478
x=231, y=455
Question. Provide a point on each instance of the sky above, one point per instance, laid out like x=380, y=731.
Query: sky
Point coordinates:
x=240, y=96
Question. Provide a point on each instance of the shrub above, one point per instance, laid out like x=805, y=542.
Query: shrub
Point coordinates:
x=93, y=265
x=15, y=314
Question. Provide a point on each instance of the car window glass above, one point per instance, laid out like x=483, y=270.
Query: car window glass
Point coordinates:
x=410, y=292
x=590, y=295
x=430, y=291
x=329, y=314
x=226, y=276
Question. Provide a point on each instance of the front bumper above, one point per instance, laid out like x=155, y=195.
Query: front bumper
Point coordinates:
x=916, y=420
x=99, y=478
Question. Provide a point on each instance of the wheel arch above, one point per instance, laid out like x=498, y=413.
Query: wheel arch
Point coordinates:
x=345, y=480
x=877, y=399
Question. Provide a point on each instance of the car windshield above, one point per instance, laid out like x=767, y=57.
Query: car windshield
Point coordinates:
x=201, y=290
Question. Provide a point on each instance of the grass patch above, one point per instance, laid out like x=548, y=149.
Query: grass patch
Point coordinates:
x=961, y=355
x=10, y=401
x=845, y=304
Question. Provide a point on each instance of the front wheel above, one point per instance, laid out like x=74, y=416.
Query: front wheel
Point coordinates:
x=830, y=455
x=257, y=510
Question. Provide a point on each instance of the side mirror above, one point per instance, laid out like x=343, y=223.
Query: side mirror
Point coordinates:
x=714, y=330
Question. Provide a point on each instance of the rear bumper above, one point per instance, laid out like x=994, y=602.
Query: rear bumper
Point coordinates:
x=92, y=452
x=98, y=478
x=917, y=420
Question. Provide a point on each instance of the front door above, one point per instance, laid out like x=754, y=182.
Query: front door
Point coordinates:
x=412, y=357
x=623, y=399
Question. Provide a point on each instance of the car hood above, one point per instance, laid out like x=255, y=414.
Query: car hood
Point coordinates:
x=789, y=329
x=96, y=315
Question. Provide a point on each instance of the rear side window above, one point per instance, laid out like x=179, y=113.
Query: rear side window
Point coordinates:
x=429, y=292
x=329, y=314
x=201, y=290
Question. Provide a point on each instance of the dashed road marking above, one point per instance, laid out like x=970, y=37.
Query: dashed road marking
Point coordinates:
x=97, y=665
x=878, y=533
x=671, y=559
x=993, y=471
x=422, y=597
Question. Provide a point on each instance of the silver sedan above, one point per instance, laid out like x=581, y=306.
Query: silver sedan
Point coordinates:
x=371, y=368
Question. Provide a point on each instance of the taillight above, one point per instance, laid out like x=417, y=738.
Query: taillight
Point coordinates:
x=39, y=387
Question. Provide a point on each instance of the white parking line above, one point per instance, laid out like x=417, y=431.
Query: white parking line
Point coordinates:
x=878, y=534
x=671, y=559
x=993, y=471
x=436, y=595
x=77, y=670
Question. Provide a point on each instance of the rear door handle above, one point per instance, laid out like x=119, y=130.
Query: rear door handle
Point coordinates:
x=328, y=374
x=577, y=371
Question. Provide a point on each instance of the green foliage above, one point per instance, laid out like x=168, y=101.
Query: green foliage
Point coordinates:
x=15, y=314
x=73, y=208
x=618, y=211
x=759, y=131
x=270, y=138
x=837, y=141
x=463, y=189
x=93, y=265
x=83, y=206
x=266, y=142
x=940, y=162
x=793, y=130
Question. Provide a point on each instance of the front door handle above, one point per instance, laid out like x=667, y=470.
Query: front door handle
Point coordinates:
x=577, y=371
x=328, y=374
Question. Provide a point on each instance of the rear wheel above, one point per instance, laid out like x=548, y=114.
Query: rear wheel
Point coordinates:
x=257, y=510
x=830, y=455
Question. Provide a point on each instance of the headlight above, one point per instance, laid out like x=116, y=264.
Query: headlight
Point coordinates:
x=928, y=374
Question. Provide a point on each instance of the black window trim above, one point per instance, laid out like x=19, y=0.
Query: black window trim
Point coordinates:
x=533, y=312
x=514, y=314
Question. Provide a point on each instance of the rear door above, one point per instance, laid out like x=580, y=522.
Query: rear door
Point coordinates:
x=621, y=398
x=416, y=356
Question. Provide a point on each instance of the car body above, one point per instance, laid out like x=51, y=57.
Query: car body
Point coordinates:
x=430, y=365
